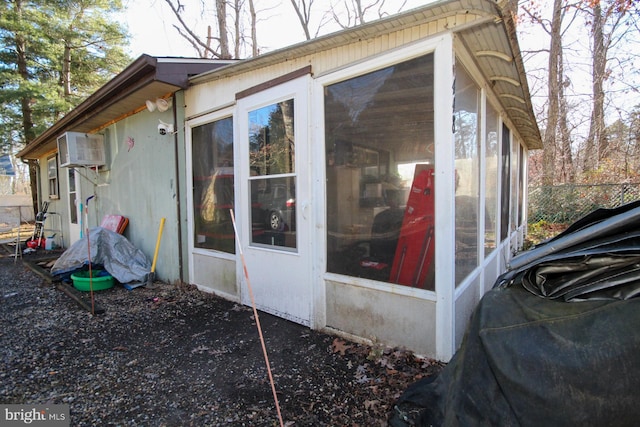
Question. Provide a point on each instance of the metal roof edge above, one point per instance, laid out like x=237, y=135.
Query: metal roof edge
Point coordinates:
x=510, y=27
x=142, y=71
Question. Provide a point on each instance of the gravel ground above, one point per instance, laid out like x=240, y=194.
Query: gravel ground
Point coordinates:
x=171, y=355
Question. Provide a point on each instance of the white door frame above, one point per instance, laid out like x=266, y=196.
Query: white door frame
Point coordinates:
x=280, y=277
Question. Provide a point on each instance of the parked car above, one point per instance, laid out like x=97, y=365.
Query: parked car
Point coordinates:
x=278, y=205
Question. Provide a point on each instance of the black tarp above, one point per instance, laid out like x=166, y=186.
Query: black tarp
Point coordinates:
x=556, y=342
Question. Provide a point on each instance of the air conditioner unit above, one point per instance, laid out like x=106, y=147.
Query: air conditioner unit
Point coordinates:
x=81, y=149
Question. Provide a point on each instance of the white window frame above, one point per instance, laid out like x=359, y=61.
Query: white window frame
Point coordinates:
x=199, y=121
x=52, y=177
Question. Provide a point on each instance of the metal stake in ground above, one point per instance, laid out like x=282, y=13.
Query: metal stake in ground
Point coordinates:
x=255, y=314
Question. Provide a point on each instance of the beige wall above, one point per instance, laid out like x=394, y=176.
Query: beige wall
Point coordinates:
x=214, y=274
x=393, y=319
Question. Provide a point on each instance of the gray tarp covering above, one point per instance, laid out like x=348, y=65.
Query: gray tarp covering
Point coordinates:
x=597, y=257
x=530, y=357
x=120, y=258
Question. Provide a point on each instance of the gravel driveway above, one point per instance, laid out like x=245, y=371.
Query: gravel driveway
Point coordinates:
x=174, y=356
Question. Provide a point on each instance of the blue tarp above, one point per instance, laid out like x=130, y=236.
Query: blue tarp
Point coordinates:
x=114, y=252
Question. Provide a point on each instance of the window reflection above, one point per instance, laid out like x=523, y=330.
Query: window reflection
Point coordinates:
x=213, y=185
x=379, y=151
x=272, y=182
x=273, y=211
x=491, y=184
x=505, y=179
x=467, y=173
x=271, y=139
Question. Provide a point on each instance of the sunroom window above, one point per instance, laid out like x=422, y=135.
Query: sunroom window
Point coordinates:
x=492, y=148
x=505, y=181
x=467, y=173
x=213, y=185
x=379, y=134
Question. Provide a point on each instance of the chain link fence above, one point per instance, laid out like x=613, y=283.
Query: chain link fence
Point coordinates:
x=566, y=203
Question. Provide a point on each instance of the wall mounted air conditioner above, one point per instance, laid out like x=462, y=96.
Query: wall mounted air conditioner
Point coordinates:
x=81, y=149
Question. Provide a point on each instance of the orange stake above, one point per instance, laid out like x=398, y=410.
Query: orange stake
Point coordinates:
x=255, y=314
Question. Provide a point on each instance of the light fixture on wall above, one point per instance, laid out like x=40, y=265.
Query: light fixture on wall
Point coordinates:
x=161, y=104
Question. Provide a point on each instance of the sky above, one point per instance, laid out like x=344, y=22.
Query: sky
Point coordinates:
x=150, y=24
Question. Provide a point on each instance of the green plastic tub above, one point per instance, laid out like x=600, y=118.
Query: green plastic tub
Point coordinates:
x=100, y=281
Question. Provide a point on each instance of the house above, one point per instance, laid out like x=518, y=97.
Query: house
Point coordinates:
x=116, y=162
x=369, y=182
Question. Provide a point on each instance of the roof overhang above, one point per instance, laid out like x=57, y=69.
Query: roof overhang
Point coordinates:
x=490, y=37
x=145, y=78
x=495, y=50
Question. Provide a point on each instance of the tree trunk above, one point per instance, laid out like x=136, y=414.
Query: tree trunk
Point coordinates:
x=550, y=133
x=221, y=12
x=25, y=104
x=303, y=16
x=568, y=170
x=596, y=149
x=66, y=71
x=254, y=35
x=236, y=28
x=358, y=6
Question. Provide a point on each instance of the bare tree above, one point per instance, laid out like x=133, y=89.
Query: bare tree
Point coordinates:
x=221, y=15
x=254, y=36
x=349, y=13
x=567, y=167
x=555, y=53
x=609, y=20
x=595, y=140
x=345, y=13
x=303, y=9
x=211, y=45
x=555, y=88
x=201, y=46
x=237, y=26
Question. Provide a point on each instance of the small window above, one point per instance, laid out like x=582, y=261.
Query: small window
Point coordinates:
x=52, y=175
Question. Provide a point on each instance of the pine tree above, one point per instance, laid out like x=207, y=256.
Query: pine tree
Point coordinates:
x=53, y=54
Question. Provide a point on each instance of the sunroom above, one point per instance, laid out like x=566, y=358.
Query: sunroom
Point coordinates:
x=370, y=182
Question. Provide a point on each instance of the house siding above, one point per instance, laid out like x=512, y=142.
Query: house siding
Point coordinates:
x=139, y=183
